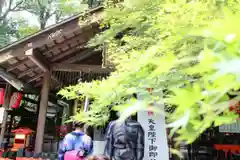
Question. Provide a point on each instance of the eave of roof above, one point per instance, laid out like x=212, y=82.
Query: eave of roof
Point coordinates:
x=74, y=36
x=28, y=38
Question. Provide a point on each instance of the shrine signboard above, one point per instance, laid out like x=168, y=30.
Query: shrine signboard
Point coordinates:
x=156, y=146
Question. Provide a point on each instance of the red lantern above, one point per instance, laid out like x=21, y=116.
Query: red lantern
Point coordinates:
x=16, y=100
x=2, y=93
x=22, y=138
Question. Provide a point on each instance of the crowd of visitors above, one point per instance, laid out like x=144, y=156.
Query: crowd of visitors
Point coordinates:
x=124, y=141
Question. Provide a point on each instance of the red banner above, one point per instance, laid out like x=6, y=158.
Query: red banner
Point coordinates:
x=2, y=93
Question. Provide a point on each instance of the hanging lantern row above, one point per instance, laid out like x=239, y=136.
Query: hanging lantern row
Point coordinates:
x=15, y=100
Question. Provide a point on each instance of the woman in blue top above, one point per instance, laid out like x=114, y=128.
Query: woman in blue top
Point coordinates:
x=76, y=141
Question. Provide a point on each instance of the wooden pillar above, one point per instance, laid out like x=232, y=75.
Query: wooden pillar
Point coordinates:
x=42, y=113
x=37, y=115
x=7, y=97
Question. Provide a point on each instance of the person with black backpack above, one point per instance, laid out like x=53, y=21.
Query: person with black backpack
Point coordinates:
x=125, y=140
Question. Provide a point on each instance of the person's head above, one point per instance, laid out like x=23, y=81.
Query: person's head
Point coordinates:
x=79, y=126
x=134, y=95
x=100, y=157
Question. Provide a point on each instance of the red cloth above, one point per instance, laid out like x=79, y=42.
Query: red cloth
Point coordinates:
x=2, y=92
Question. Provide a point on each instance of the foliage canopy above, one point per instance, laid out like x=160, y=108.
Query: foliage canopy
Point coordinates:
x=188, y=50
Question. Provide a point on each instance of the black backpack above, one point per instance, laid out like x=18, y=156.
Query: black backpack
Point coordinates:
x=125, y=140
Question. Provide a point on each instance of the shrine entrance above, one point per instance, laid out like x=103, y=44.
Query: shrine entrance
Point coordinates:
x=36, y=67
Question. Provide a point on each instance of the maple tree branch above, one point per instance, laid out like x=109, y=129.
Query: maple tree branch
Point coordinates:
x=17, y=6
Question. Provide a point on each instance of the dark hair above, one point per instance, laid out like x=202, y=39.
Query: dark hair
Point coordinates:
x=100, y=157
x=134, y=95
x=78, y=125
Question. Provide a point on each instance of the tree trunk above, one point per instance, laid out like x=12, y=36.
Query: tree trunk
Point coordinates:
x=42, y=19
x=42, y=25
x=2, y=2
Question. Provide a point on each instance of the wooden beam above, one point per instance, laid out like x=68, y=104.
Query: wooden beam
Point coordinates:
x=105, y=62
x=22, y=74
x=11, y=79
x=52, y=77
x=80, y=68
x=38, y=84
x=39, y=76
x=53, y=59
x=16, y=83
x=16, y=65
x=38, y=59
x=80, y=56
x=6, y=56
x=35, y=78
x=42, y=112
x=80, y=38
x=67, y=52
